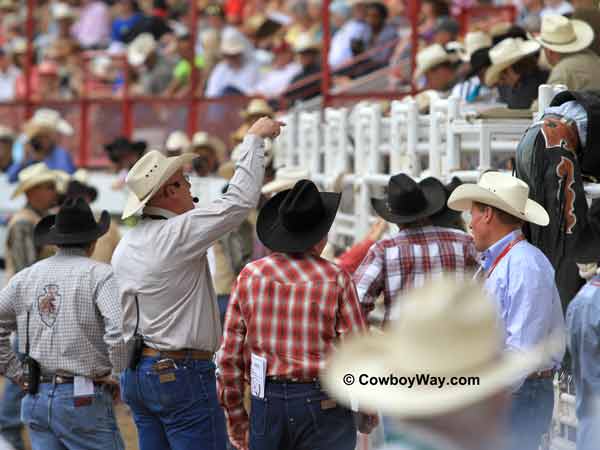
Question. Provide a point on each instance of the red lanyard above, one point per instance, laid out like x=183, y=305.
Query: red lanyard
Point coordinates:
x=510, y=245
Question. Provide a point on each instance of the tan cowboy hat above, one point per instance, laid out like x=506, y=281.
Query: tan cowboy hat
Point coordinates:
x=33, y=176
x=505, y=54
x=61, y=11
x=148, y=175
x=501, y=191
x=430, y=57
x=565, y=35
x=474, y=41
x=285, y=178
x=306, y=42
x=232, y=44
x=257, y=106
x=140, y=48
x=45, y=119
x=203, y=139
x=445, y=329
x=178, y=141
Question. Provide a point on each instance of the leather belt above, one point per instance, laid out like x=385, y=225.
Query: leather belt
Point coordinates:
x=276, y=379
x=541, y=374
x=200, y=355
x=61, y=379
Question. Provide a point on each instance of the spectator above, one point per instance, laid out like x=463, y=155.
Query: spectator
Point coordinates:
x=153, y=21
x=340, y=49
x=587, y=11
x=303, y=24
x=308, y=55
x=437, y=67
x=256, y=109
x=41, y=134
x=446, y=31
x=177, y=143
x=154, y=69
x=530, y=15
x=381, y=33
x=216, y=23
x=8, y=77
x=124, y=153
x=127, y=14
x=92, y=28
x=238, y=73
x=182, y=72
x=283, y=69
x=7, y=138
x=472, y=88
x=514, y=69
x=64, y=17
x=566, y=46
x=210, y=153
x=556, y=7
x=48, y=87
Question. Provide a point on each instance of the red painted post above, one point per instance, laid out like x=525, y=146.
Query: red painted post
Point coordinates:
x=127, y=109
x=414, y=7
x=193, y=108
x=30, y=25
x=325, y=69
x=84, y=106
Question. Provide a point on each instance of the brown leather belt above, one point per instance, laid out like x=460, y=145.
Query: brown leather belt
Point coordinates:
x=276, y=379
x=62, y=379
x=548, y=373
x=200, y=355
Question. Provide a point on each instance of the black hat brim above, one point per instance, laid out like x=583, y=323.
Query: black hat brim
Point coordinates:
x=434, y=193
x=276, y=237
x=45, y=233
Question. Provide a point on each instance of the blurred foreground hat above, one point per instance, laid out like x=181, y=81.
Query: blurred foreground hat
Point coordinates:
x=33, y=176
x=45, y=119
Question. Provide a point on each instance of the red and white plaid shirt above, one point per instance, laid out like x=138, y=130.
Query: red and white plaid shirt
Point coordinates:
x=290, y=310
x=408, y=259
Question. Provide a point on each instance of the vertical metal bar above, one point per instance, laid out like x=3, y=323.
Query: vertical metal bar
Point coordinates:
x=414, y=7
x=193, y=108
x=29, y=57
x=325, y=69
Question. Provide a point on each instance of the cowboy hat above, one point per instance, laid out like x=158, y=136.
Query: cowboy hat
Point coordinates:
x=431, y=57
x=74, y=224
x=564, y=35
x=61, y=11
x=587, y=246
x=76, y=188
x=447, y=216
x=177, y=141
x=18, y=45
x=445, y=329
x=480, y=59
x=285, y=178
x=6, y=133
x=475, y=40
x=140, y=48
x=296, y=219
x=45, y=119
x=505, y=54
x=123, y=145
x=256, y=107
x=203, y=139
x=408, y=201
x=501, y=191
x=33, y=176
x=148, y=175
x=305, y=43
x=232, y=44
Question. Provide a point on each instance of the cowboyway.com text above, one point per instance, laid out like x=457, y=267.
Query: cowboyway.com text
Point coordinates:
x=420, y=379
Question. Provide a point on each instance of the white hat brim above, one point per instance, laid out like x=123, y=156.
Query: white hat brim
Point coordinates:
x=492, y=74
x=278, y=186
x=463, y=197
x=134, y=204
x=584, y=37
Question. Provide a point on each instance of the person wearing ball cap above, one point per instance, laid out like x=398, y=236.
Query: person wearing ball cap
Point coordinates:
x=521, y=280
x=164, y=280
x=290, y=307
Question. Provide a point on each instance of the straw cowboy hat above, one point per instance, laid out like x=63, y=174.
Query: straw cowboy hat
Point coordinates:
x=285, y=178
x=257, y=107
x=140, y=48
x=294, y=220
x=445, y=329
x=408, y=201
x=74, y=224
x=148, y=175
x=305, y=43
x=474, y=41
x=564, y=35
x=501, y=191
x=177, y=141
x=33, y=176
x=431, y=57
x=203, y=139
x=232, y=44
x=44, y=120
x=61, y=11
x=505, y=54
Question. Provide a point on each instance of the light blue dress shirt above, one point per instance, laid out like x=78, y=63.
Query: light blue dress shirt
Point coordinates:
x=583, y=323
x=523, y=285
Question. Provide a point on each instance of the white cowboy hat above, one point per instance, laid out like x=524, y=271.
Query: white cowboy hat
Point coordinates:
x=178, y=141
x=285, y=178
x=306, y=42
x=47, y=119
x=505, y=54
x=32, y=176
x=148, y=175
x=62, y=11
x=203, y=139
x=565, y=35
x=474, y=41
x=139, y=50
x=232, y=44
x=257, y=106
x=18, y=45
x=501, y=191
x=430, y=57
x=445, y=329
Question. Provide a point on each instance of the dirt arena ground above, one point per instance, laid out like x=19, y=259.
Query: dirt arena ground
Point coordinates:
x=124, y=419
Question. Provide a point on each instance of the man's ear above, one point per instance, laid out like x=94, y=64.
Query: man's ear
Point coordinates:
x=488, y=215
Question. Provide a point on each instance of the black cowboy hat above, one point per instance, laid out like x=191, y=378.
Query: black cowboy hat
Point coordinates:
x=448, y=217
x=408, y=201
x=587, y=246
x=123, y=145
x=74, y=224
x=480, y=59
x=78, y=189
x=296, y=219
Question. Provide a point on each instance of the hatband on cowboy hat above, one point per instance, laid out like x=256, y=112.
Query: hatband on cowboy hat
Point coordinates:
x=505, y=54
x=148, y=175
x=296, y=219
x=74, y=224
x=408, y=201
x=445, y=329
x=501, y=191
x=33, y=176
x=564, y=35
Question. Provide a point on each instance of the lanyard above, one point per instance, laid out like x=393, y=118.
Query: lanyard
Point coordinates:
x=507, y=249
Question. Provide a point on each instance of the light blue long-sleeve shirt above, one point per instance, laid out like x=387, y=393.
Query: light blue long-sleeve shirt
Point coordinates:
x=523, y=285
x=583, y=323
x=58, y=159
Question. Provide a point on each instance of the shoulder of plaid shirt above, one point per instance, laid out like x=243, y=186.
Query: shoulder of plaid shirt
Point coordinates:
x=290, y=310
x=82, y=336
x=408, y=258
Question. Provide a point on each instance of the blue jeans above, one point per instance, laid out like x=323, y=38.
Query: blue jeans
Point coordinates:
x=181, y=412
x=223, y=301
x=300, y=417
x=10, y=414
x=55, y=423
x=531, y=413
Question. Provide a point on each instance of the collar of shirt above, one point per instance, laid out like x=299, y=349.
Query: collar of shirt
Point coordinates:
x=489, y=256
x=71, y=251
x=154, y=211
